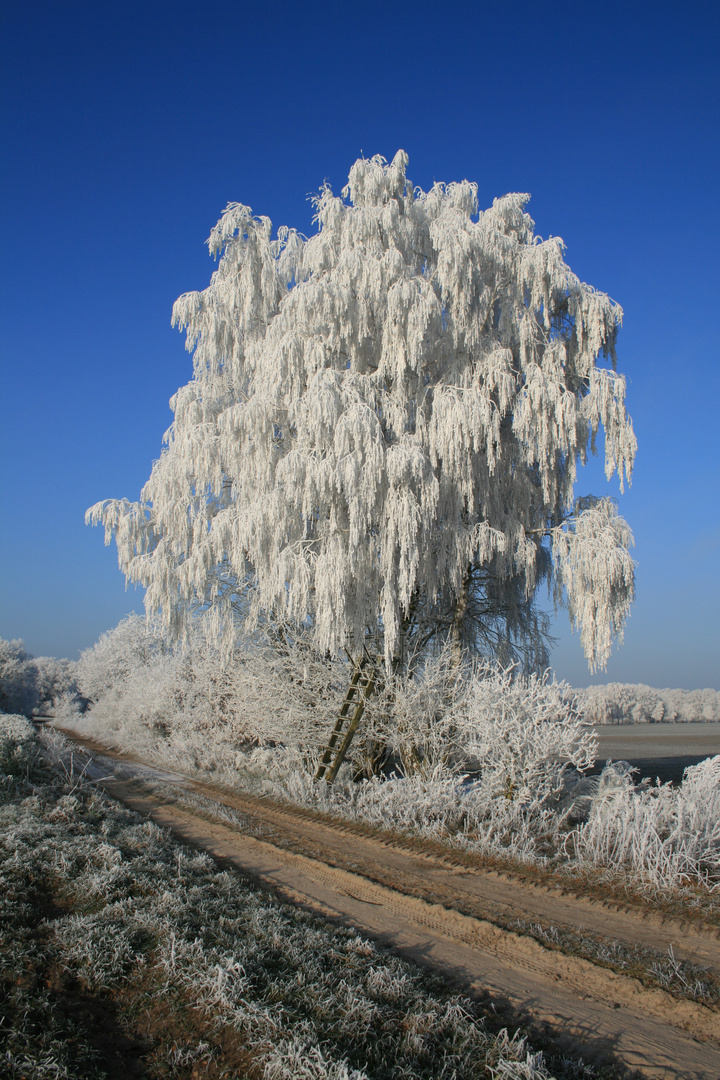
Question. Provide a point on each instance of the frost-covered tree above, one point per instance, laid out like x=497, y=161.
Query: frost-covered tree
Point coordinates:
x=32, y=684
x=635, y=703
x=384, y=426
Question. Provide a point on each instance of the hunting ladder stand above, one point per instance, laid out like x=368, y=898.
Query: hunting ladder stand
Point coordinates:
x=361, y=687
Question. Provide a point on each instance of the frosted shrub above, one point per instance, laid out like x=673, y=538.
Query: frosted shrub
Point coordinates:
x=517, y=731
x=147, y=697
x=431, y=805
x=477, y=754
x=190, y=707
x=524, y=734
x=17, y=678
x=30, y=684
x=18, y=744
x=116, y=656
x=663, y=836
x=528, y=743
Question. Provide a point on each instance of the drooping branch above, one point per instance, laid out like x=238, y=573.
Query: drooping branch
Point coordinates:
x=594, y=566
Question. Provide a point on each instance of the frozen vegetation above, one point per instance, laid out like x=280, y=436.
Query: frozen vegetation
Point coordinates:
x=377, y=451
x=102, y=906
x=31, y=685
x=634, y=703
x=383, y=431
x=472, y=755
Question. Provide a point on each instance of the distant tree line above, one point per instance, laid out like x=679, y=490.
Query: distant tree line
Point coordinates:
x=635, y=703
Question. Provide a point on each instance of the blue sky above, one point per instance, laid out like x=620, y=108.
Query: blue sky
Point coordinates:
x=126, y=130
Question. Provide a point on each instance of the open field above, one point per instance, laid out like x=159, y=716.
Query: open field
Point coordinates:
x=609, y=982
x=658, y=750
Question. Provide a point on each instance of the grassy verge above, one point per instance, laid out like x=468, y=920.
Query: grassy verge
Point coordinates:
x=125, y=954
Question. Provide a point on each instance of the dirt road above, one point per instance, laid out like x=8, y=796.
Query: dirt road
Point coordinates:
x=453, y=918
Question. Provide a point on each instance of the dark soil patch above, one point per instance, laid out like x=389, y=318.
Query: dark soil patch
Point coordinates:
x=141, y=1032
x=177, y=1040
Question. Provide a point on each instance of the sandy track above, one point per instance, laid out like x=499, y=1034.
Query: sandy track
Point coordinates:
x=441, y=915
x=439, y=880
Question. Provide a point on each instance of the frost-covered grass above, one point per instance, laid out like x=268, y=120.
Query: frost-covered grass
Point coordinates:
x=682, y=978
x=662, y=836
x=101, y=907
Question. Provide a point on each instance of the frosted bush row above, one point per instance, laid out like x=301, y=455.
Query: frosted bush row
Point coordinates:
x=30, y=685
x=473, y=756
x=629, y=703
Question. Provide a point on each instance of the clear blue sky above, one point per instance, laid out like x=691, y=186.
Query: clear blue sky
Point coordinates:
x=128, y=127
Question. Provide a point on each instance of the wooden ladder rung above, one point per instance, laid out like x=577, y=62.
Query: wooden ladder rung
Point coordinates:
x=360, y=689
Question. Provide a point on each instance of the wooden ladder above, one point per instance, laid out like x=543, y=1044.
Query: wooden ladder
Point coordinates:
x=361, y=687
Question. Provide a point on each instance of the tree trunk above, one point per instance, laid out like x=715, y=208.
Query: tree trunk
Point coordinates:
x=456, y=628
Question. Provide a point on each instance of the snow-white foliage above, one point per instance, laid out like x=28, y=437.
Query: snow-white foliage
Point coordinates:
x=30, y=684
x=593, y=563
x=635, y=703
x=375, y=410
x=185, y=704
x=17, y=744
x=663, y=836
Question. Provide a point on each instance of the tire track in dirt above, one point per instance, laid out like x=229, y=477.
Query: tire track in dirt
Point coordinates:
x=592, y=1011
x=486, y=893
